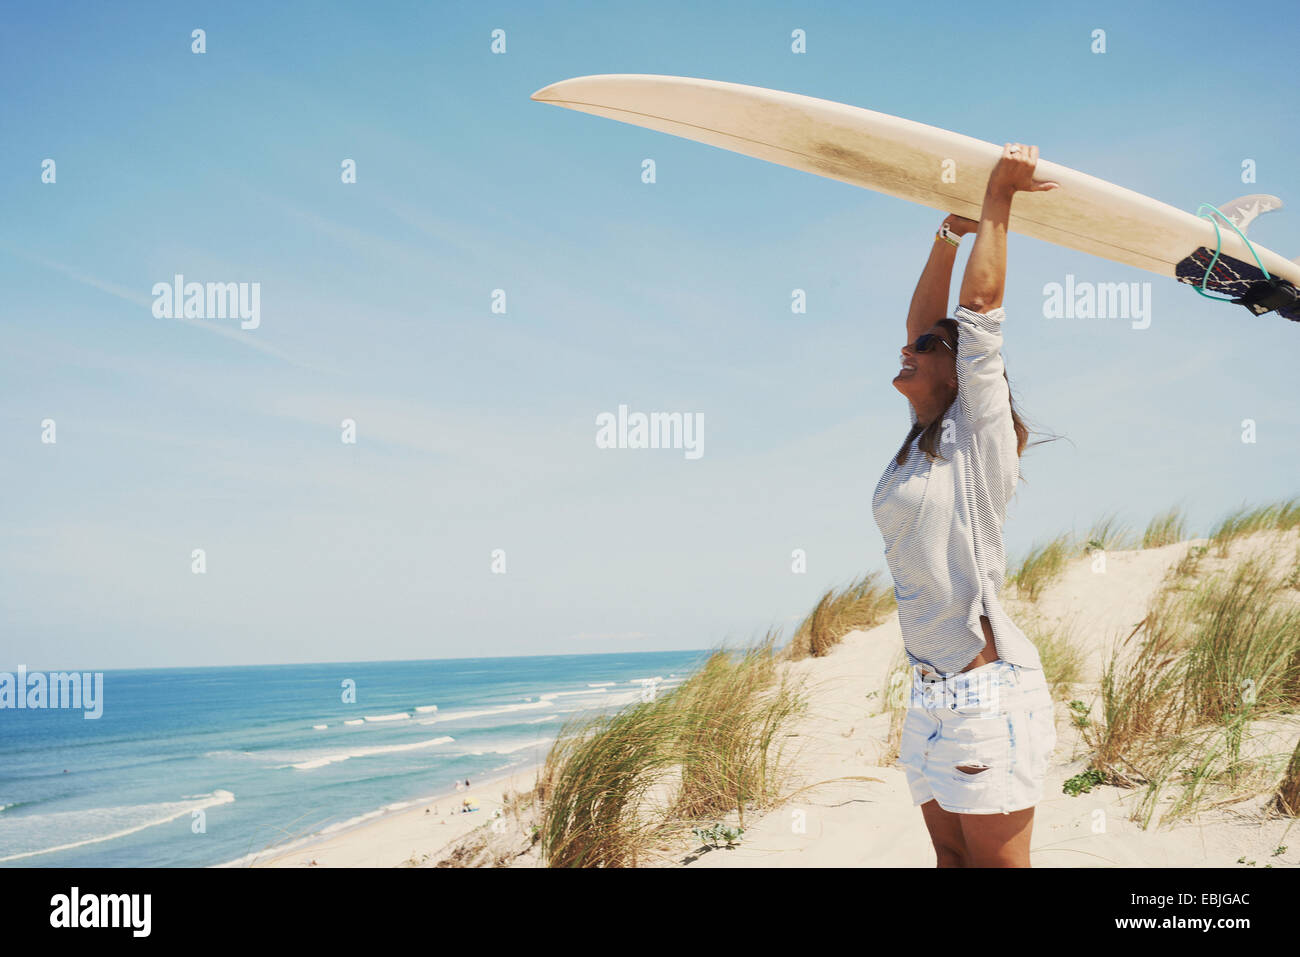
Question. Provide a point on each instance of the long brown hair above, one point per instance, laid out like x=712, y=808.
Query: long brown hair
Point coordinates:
x=929, y=441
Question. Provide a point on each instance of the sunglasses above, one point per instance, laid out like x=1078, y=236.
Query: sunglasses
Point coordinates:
x=926, y=342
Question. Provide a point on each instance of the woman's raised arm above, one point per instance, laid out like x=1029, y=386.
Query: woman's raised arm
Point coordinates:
x=986, y=271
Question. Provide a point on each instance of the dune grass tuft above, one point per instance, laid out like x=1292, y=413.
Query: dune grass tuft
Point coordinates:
x=1189, y=565
x=1109, y=534
x=1165, y=529
x=615, y=787
x=730, y=718
x=1062, y=659
x=1041, y=566
x=1280, y=516
x=863, y=603
x=1180, y=692
x=594, y=784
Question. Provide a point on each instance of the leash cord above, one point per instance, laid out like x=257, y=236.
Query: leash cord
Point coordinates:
x=1218, y=247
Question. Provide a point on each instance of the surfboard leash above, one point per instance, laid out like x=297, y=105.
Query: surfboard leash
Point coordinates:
x=1260, y=297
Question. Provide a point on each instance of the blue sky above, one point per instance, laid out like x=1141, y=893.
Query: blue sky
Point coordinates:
x=476, y=431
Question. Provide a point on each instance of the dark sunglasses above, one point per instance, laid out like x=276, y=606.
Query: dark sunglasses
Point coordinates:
x=926, y=342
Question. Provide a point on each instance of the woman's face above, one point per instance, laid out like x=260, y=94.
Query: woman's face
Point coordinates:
x=929, y=377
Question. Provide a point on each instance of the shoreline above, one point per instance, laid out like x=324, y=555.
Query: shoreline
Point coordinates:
x=396, y=837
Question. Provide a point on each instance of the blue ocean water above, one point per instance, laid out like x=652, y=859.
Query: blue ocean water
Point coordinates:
x=242, y=745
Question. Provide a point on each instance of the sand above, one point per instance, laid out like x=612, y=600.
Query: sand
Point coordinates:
x=411, y=837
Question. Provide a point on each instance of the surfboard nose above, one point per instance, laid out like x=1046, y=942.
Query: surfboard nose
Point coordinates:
x=547, y=93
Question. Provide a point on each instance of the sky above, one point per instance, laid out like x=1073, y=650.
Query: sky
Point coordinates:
x=475, y=430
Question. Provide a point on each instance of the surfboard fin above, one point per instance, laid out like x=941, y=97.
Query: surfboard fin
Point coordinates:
x=1246, y=209
x=1269, y=294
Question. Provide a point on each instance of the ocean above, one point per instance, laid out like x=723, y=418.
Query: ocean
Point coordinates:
x=207, y=766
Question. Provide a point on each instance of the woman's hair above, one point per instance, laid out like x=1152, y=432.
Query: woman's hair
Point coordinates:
x=929, y=441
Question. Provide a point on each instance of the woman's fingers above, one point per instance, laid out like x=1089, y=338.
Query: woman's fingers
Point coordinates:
x=1015, y=170
x=960, y=224
x=1026, y=158
x=1039, y=185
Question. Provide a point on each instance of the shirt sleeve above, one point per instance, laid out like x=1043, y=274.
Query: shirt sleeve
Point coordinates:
x=981, y=383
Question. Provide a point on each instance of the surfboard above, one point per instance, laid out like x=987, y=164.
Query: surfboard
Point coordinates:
x=946, y=171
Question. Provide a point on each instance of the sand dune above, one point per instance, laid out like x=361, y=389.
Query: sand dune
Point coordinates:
x=873, y=823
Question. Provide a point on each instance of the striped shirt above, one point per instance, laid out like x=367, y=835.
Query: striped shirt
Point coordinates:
x=942, y=520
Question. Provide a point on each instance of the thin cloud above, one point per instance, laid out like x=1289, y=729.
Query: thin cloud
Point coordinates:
x=146, y=302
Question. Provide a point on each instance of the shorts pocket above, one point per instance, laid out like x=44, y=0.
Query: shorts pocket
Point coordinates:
x=919, y=731
x=978, y=741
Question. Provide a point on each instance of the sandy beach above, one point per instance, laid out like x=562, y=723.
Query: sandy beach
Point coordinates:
x=413, y=836
x=872, y=823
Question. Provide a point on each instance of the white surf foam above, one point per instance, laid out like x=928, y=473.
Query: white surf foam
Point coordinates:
x=551, y=695
x=336, y=757
x=95, y=825
x=482, y=712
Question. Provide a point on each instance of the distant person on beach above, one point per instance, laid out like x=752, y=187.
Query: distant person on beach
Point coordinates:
x=979, y=726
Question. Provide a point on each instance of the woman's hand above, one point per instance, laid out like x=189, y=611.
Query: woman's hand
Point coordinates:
x=1014, y=172
x=960, y=225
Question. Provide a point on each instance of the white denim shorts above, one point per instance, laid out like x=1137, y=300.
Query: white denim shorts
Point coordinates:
x=997, y=719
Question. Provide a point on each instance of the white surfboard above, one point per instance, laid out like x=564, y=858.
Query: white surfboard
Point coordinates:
x=946, y=171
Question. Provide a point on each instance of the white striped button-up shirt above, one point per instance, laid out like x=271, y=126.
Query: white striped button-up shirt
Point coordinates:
x=942, y=520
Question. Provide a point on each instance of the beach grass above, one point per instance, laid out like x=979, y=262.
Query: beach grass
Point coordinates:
x=1062, y=658
x=1181, y=693
x=1189, y=565
x=1109, y=534
x=863, y=603
x=1041, y=566
x=1292, y=579
x=893, y=694
x=593, y=785
x=616, y=789
x=1166, y=528
x=730, y=721
x=1279, y=516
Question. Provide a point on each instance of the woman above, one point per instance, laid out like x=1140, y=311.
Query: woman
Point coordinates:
x=979, y=725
